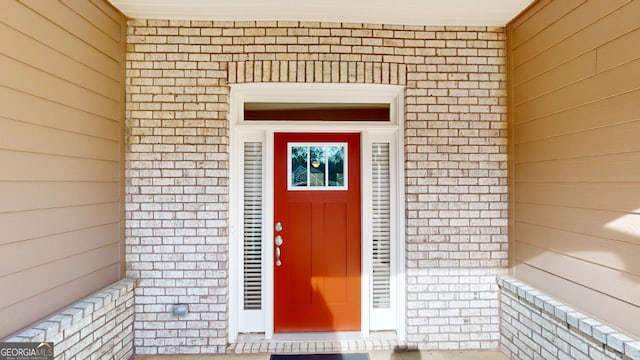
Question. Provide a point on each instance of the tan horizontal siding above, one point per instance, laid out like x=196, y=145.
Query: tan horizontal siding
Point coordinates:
x=618, y=197
x=29, y=80
x=38, y=306
x=608, y=309
x=105, y=7
x=591, y=275
x=579, y=16
x=556, y=78
x=32, y=253
x=19, y=226
x=61, y=121
x=543, y=15
x=64, y=17
x=605, y=168
x=101, y=17
x=613, y=254
x=42, y=167
x=33, y=195
x=613, y=110
x=524, y=17
x=612, y=82
x=619, y=51
x=50, y=61
x=35, y=110
x=17, y=16
x=55, y=273
x=607, y=224
x=21, y=136
x=574, y=85
x=594, y=142
x=584, y=40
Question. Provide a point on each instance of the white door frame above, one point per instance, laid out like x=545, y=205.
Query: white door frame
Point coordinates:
x=391, y=132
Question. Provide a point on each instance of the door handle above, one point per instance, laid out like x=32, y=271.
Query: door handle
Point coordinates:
x=278, y=262
x=278, y=241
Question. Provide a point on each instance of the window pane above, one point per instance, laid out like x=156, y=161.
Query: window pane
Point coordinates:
x=318, y=166
x=336, y=166
x=299, y=156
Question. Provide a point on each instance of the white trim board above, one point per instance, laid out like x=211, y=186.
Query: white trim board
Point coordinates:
x=391, y=132
x=408, y=12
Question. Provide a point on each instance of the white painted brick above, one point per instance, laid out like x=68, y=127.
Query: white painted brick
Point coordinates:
x=88, y=317
x=464, y=89
x=632, y=349
x=526, y=312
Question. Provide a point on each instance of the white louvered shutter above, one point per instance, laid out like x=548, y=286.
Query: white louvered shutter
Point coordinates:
x=381, y=186
x=252, y=226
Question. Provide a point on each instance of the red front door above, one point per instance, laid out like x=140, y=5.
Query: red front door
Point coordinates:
x=317, y=214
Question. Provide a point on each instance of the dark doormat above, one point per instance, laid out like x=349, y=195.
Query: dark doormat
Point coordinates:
x=357, y=356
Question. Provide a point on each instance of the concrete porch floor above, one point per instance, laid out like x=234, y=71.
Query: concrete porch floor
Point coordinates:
x=380, y=345
x=374, y=355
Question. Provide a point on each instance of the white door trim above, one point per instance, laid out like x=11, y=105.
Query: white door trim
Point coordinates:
x=241, y=320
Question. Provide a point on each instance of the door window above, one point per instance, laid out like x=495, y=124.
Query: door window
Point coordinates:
x=317, y=166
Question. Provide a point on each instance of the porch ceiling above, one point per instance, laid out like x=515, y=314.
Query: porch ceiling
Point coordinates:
x=408, y=12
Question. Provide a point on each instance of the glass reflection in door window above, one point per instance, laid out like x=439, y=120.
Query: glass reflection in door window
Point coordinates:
x=336, y=165
x=298, y=170
x=317, y=156
x=317, y=166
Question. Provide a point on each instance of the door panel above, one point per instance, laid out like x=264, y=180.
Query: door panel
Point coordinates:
x=317, y=284
x=336, y=253
x=300, y=270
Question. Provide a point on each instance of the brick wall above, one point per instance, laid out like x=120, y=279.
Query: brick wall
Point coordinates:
x=453, y=308
x=99, y=326
x=535, y=326
x=177, y=164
